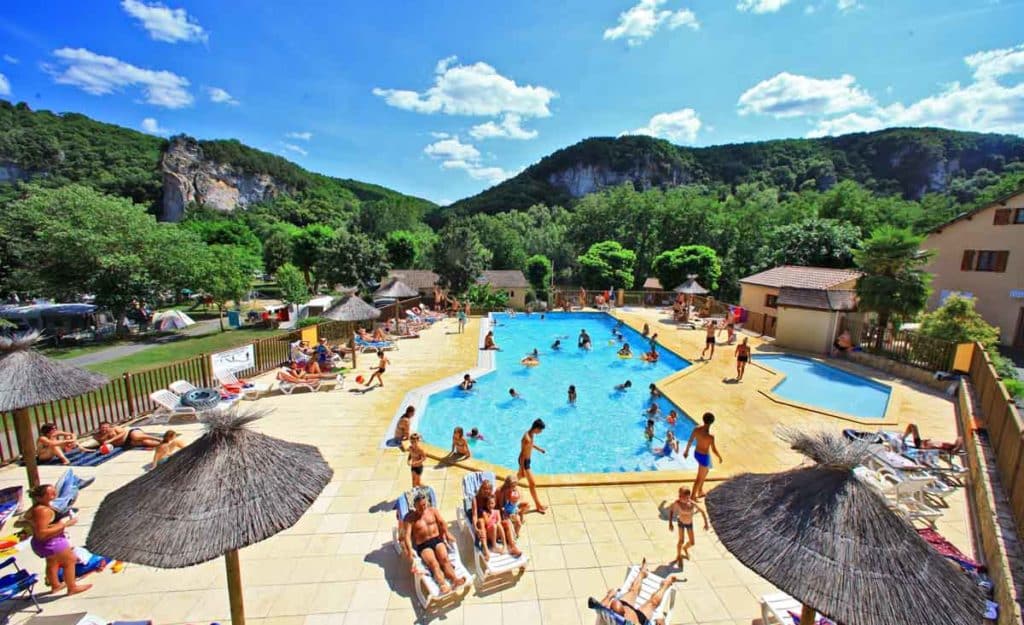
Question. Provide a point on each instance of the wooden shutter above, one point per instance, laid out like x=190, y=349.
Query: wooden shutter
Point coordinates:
x=967, y=264
x=1001, y=217
x=1001, y=258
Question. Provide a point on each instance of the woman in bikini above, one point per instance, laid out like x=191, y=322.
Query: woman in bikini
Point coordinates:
x=742, y=358
x=508, y=501
x=50, y=542
x=626, y=605
x=52, y=444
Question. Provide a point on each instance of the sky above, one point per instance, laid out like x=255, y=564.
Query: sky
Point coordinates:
x=444, y=99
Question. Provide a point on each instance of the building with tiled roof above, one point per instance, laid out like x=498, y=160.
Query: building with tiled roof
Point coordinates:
x=802, y=277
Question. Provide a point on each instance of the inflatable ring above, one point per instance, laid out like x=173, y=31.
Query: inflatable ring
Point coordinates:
x=201, y=398
x=529, y=363
x=625, y=356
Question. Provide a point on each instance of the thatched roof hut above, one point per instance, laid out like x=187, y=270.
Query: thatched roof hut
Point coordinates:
x=394, y=289
x=691, y=287
x=28, y=378
x=352, y=308
x=231, y=488
x=821, y=535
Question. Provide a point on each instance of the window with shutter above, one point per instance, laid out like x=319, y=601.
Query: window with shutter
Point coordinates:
x=1001, y=258
x=1018, y=216
x=1001, y=217
x=991, y=260
x=967, y=264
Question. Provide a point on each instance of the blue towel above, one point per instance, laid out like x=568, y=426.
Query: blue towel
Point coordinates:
x=86, y=459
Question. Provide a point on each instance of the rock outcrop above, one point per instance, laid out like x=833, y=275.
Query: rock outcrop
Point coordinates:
x=10, y=172
x=582, y=178
x=190, y=178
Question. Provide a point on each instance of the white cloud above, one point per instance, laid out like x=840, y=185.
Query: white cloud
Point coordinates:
x=846, y=6
x=151, y=126
x=454, y=154
x=10, y=59
x=221, y=96
x=440, y=135
x=509, y=128
x=791, y=95
x=984, y=105
x=992, y=64
x=100, y=75
x=291, y=147
x=5, y=85
x=679, y=126
x=642, y=20
x=165, y=23
x=761, y=6
x=476, y=89
x=304, y=136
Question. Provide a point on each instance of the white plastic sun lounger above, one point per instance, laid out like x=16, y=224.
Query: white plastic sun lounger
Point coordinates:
x=776, y=608
x=499, y=563
x=650, y=585
x=427, y=589
x=169, y=403
x=249, y=390
x=905, y=500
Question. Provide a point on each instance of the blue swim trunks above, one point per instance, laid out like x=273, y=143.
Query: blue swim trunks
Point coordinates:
x=702, y=459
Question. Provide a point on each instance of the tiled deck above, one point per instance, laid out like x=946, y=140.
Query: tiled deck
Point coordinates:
x=337, y=564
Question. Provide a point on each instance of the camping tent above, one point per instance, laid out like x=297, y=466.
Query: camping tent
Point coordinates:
x=171, y=320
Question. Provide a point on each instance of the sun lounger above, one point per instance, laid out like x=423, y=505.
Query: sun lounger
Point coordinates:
x=780, y=608
x=650, y=585
x=499, y=563
x=372, y=346
x=248, y=390
x=906, y=500
x=427, y=589
x=10, y=503
x=169, y=403
x=287, y=387
x=20, y=583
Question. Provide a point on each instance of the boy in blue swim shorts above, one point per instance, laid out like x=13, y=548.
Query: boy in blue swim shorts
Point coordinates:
x=702, y=454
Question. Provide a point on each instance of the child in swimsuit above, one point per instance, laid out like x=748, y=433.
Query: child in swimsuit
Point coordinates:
x=167, y=447
x=511, y=508
x=415, y=459
x=683, y=509
x=475, y=435
x=460, y=447
x=492, y=526
x=572, y=394
x=671, y=444
x=672, y=417
x=649, y=430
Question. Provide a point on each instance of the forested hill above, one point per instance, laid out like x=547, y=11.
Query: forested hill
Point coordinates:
x=909, y=162
x=58, y=149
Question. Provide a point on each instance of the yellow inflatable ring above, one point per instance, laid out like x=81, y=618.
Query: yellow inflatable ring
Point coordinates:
x=529, y=363
x=625, y=356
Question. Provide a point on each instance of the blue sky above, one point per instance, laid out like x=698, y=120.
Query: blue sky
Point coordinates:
x=443, y=99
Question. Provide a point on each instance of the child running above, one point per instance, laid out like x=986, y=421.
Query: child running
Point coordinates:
x=416, y=458
x=705, y=446
x=682, y=509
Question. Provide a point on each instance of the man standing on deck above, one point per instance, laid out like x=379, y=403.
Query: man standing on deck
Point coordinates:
x=525, y=453
x=709, y=339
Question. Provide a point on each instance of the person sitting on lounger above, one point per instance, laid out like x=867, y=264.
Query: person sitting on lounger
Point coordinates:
x=626, y=605
x=490, y=527
x=167, y=448
x=124, y=437
x=926, y=443
x=426, y=533
x=52, y=443
x=293, y=375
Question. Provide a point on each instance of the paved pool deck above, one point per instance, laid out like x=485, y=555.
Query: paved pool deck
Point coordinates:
x=337, y=565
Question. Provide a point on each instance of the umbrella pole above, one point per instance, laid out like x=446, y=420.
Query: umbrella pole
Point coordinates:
x=806, y=614
x=234, y=571
x=26, y=444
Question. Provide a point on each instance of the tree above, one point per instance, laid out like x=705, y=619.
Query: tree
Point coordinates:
x=538, y=272
x=292, y=285
x=483, y=297
x=675, y=266
x=352, y=259
x=459, y=257
x=401, y=247
x=227, y=276
x=810, y=243
x=893, y=282
x=607, y=264
x=308, y=248
x=957, y=321
x=279, y=246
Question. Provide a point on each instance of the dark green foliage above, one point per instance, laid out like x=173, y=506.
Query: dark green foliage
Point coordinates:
x=459, y=257
x=291, y=285
x=538, y=272
x=893, y=283
x=607, y=264
x=485, y=298
x=310, y=321
x=352, y=259
x=811, y=242
x=674, y=267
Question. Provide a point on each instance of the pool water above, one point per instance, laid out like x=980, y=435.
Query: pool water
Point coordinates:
x=817, y=384
x=602, y=433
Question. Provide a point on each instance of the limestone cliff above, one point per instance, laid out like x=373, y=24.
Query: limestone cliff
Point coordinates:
x=189, y=177
x=583, y=178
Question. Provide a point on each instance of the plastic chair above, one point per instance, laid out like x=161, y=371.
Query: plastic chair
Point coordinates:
x=18, y=584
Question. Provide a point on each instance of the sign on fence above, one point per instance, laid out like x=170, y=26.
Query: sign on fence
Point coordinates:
x=234, y=360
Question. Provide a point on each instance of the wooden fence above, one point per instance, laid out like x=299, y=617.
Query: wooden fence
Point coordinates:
x=127, y=396
x=756, y=322
x=902, y=346
x=1001, y=419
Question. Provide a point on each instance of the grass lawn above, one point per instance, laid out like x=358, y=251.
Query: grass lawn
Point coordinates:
x=178, y=350
x=60, y=353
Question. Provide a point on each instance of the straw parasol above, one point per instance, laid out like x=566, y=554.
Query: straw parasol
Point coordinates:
x=823, y=536
x=27, y=378
x=395, y=289
x=231, y=488
x=352, y=308
x=691, y=286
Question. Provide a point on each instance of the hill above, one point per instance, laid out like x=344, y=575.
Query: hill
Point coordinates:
x=167, y=175
x=909, y=162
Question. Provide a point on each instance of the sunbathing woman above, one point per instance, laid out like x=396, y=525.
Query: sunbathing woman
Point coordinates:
x=626, y=605
x=52, y=443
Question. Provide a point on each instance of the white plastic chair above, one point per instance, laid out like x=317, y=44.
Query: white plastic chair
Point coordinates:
x=169, y=403
x=180, y=387
x=499, y=563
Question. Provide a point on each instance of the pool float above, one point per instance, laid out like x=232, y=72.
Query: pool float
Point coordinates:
x=612, y=341
x=529, y=362
x=649, y=358
x=625, y=356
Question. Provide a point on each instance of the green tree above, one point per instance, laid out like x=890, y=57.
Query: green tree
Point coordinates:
x=503, y=240
x=673, y=267
x=227, y=276
x=353, y=259
x=538, y=272
x=607, y=264
x=810, y=243
x=308, y=248
x=484, y=297
x=459, y=257
x=893, y=283
x=279, y=246
x=401, y=248
x=957, y=321
x=292, y=285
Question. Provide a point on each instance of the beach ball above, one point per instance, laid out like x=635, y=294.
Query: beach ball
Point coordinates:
x=104, y=448
x=359, y=379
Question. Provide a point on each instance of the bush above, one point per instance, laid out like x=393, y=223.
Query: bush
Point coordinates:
x=310, y=321
x=1014, y=387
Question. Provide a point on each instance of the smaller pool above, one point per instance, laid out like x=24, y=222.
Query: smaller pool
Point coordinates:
x=816, y=384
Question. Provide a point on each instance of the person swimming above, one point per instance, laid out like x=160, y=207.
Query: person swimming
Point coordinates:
x=655, y=393
x=514, y=394
x=584, y=341
x=572, y=394
x=653, y=410
x=467, y=383
x=474, y=434
x=625, y=351
x=671, y=444
x=672, y=417
x=622, y=388
x=557, y=344
x=649, y=431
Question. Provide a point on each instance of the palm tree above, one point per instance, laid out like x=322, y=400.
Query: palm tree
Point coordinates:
x=893, y=282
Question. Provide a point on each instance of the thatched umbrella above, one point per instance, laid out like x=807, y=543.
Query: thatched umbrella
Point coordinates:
x=27, y=378
x=231, y=488
x=352, y=308
x=691, y=287
x=395, y=289
x=823, y=536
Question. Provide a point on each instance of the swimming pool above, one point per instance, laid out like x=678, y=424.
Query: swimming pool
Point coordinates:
x=817, y=384
x=602, y=433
